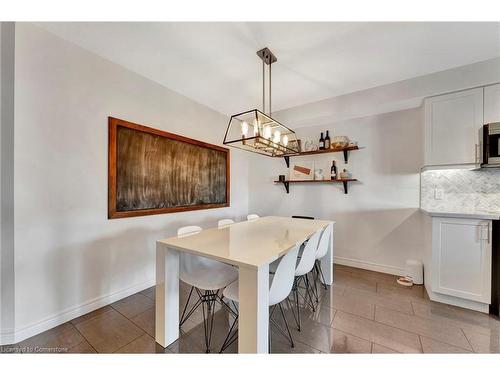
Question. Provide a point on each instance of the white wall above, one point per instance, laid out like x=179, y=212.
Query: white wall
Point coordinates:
x=378, y=225
x=69, y=257
x=392, y=97
x=7, y=278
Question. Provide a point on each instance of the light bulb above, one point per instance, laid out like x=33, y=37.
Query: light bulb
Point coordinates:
x=256, y=126
x=244, y=128
x=267, y=132
x=277, y=136
x=285, y=140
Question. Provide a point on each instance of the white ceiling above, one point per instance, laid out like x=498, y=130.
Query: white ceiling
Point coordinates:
x=215, y=63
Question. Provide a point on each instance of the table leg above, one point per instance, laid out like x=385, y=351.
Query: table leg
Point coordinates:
x=167, y=295
x=253, y=325
x=327, y=260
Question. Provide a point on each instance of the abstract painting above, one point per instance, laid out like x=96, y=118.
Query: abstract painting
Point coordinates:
x=153, y=172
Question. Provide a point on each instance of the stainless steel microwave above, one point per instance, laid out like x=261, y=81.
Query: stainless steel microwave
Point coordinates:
x=491, y=145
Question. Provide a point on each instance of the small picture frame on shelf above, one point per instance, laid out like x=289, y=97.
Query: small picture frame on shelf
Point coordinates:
x=302, y=171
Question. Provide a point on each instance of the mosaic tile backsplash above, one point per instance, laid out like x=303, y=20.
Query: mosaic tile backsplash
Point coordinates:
x=464, y=190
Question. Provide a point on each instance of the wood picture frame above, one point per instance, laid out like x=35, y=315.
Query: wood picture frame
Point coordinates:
x=116, y=126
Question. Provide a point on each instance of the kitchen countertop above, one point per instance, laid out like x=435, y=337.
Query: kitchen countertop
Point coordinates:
x=481, y=215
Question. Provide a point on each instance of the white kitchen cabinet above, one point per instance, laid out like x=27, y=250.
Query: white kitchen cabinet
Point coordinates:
x=492, y=104
x=452, y=126
x=461, y=258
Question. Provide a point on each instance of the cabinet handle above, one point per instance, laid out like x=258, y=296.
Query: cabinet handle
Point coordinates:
x=481, y=232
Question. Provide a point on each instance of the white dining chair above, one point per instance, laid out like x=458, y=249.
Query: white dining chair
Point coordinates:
x=251, y=217
x=225, y=223
x=207, y=277
x=280, y=287
x=304, y=266
x=323, y=246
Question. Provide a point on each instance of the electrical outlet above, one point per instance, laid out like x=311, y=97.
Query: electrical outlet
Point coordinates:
x=438, y=194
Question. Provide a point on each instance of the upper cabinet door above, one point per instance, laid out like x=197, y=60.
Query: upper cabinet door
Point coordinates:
x=452, y=125
x=492, y=104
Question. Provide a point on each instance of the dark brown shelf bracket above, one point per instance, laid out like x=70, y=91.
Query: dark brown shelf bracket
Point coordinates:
x=346, y=157
x=345, y=184
x=287, y=186
x=287, y=161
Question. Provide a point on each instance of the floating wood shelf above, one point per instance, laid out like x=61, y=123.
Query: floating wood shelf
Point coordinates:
x=344, y=181
x=344, y=150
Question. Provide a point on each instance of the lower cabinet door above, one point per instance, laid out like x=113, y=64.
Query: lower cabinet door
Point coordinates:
x=461, y=252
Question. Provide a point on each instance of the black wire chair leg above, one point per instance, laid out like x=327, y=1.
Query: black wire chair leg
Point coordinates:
x=193, y=309
x=291, y=308
x=314, y=289
x=223, y=303
x=298, y=309
x=322, y=277
x=231, y=336
x=208, y=299
x=185, y=308
x=286, y=325
x=308, y=293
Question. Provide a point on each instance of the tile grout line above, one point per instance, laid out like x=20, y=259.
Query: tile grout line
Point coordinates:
x=130, y=320
x=442, y=342
x=384, y=324
x=419, y=334
x=81, y=333
x=421, y=345
x=432, y=321
x=101, y=314
x=350, y=334
x=431, y=338
x=468, y=341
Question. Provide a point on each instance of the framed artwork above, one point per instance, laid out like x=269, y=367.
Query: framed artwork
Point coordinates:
x=302, y=171
x=154, y=172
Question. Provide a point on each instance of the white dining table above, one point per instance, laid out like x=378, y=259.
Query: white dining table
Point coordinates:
x=251, y=246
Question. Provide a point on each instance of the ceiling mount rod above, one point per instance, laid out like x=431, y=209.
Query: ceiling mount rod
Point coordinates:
x=267, y=58
x=263, y=86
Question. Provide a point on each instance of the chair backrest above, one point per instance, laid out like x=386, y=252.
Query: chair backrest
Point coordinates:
x=188, y=231
x=252, y=217
x=283, y=277
x=323, y=244
x=308, y=257
x=188, y=262
x=302, y=217
x=225, y=222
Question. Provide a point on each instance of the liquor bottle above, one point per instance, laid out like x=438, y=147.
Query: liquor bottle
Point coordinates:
x=327, y=141
x=321, y=142
x=333, y=171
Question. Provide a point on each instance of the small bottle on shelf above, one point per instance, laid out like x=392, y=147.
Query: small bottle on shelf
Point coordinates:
x=327, y=141
x=333, y=171
x=321, y=142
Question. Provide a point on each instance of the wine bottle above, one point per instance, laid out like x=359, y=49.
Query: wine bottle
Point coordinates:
x=327, y=141
x=333, y=171
x=321, y=142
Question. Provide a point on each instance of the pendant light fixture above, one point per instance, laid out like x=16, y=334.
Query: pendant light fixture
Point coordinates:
x=256, y=131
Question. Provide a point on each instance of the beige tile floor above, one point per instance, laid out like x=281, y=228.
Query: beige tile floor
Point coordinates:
x=363, y=312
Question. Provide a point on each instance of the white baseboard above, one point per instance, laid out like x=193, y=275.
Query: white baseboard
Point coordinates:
x=34, y=329
x=356, y=263
x=7, y=337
